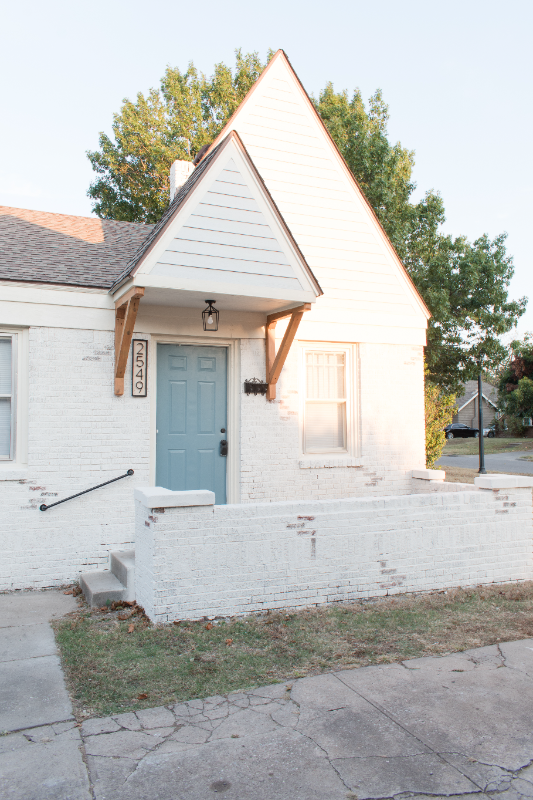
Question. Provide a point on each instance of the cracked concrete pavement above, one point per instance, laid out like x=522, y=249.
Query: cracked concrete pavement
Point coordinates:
x=458, y=725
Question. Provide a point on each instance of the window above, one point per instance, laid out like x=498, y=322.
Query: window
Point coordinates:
x=325, y=407
x=7, y=397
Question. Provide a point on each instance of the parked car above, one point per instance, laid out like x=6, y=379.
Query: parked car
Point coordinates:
x=458, y=430
x=489, y=432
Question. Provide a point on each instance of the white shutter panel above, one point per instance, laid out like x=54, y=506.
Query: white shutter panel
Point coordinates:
x=5, y=402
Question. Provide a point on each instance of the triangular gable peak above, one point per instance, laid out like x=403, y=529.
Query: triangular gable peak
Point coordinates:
x=336, y=229
x=226, y=237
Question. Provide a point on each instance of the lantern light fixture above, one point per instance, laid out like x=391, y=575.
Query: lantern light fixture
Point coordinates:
x=210, y=316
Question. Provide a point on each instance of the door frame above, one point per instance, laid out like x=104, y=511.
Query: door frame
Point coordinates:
x=233, y=477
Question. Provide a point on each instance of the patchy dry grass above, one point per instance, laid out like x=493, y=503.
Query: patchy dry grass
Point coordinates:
x=464, y=475
x=114, y=664
x=470, y=447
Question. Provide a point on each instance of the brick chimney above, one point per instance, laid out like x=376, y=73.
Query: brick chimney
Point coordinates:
x=179, y=173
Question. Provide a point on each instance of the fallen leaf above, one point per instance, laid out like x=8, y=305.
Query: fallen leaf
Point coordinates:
x=131, y=628
x=177, y=622
x=69, y=591
x=228, y=642
x=104, y=608
x=142, y=696
x=122, y=617
x=209, y=626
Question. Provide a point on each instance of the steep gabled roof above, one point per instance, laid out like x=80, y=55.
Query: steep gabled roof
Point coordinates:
x=41, y=247
x=254, y=115
x=169, y=214
x=224, y=229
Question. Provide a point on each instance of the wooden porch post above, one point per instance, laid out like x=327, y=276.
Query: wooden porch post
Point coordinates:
x=126, y=308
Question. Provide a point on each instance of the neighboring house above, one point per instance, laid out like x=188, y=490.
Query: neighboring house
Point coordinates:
x=467, y=404
x=313, y=302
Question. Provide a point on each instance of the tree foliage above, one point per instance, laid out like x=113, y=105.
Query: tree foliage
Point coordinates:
x=515, y=386
x=439, y=407
x=465, y=285
x=173, y=122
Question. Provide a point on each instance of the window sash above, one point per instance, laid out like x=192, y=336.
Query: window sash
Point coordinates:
x=7, y=396
x=326, y=403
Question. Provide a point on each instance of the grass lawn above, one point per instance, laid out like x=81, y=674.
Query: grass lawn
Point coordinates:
x=464, y=475
x=115, y=664
x=470, y=447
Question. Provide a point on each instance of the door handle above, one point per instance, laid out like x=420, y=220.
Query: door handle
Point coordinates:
x=223, y=447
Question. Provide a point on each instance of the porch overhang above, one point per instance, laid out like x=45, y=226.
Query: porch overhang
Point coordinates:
x=153, y=293
x=169, y=292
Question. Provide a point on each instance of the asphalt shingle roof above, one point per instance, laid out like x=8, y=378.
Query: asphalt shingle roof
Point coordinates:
x=42, y=247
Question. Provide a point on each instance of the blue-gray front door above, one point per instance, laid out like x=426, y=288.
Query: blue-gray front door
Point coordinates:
x=191, y=418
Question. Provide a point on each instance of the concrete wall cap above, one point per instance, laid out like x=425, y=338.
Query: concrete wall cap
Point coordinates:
x=157, y=497
x=504, y=482
x=429, y=474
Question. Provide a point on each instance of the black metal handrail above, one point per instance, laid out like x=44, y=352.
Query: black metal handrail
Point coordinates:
x=44, y=507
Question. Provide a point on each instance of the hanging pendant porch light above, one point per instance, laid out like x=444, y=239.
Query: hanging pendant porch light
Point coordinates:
x=210, y=316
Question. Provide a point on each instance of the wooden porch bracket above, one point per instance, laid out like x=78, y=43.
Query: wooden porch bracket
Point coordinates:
x=126, y=308
x=275, y=361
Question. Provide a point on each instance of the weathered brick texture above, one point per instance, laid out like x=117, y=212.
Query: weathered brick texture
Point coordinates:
x=80, y=434
x=236, y=559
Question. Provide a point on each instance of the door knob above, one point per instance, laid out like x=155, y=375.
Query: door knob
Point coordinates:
x=223, y=447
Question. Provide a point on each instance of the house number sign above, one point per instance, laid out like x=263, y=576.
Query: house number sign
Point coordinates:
x=139, y=372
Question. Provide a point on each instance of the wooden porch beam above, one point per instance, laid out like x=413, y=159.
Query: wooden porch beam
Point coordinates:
x=126, y=308
x=275, y=361
x=288, y=313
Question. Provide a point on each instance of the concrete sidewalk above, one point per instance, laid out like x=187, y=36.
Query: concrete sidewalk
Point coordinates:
x=457, y=725
x=41, y=755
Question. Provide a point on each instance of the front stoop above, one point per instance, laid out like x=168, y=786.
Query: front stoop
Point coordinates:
x=104, y=586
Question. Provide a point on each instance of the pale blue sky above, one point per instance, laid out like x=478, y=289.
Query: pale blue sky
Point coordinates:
x=456, y=75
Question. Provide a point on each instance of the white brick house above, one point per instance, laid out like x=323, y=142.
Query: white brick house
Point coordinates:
x=269, y=222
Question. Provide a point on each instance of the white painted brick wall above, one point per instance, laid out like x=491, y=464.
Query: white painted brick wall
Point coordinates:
x=236, y=559
x=391, y=420
x=80, y=435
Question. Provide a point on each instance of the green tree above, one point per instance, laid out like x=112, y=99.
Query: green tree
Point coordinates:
x=173, y=122
x=465, y=285
x=515, y=386
x=439, y=407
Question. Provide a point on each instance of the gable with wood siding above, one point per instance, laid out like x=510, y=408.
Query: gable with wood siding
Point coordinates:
x=228, y=237
x=367, y=292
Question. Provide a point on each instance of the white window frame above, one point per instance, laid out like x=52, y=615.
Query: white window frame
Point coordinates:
x=12, y=396
x=350, y=452
x=16, y=464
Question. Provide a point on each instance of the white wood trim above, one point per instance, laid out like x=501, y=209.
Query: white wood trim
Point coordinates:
x=231, y=152
x=484, y=396
x=352, y=403
x=233, y=465
x=280, y=71
x=20, y=353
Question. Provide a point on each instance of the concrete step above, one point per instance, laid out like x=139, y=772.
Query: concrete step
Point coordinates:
x=123, y=567
x=100, y=586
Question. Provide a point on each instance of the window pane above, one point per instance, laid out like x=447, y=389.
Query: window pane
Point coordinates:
x=5, y=366
x=5, y=427
x=325, y=376
x=325, y=425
